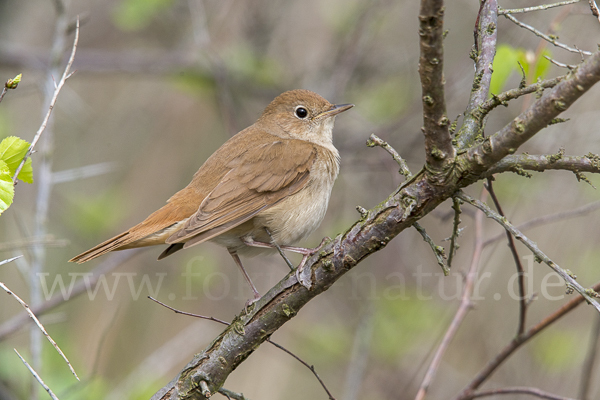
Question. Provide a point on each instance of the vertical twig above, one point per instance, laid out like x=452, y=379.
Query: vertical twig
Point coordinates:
x=515, y=254
x=438, y=251
x=465, y=305
x=455, y=230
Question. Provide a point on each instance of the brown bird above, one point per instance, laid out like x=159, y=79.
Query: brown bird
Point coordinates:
x=267, y=186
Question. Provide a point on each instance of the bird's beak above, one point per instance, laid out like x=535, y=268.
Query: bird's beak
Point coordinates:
x=335, y=110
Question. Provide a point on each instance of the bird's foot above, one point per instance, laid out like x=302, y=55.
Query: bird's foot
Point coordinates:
x=306, y=253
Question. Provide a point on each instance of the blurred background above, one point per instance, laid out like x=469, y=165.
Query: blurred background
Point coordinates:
x=161, y=84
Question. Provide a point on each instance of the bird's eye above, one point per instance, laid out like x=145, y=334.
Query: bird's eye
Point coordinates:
x=301, y=112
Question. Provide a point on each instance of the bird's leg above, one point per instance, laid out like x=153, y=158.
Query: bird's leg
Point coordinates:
x=287, y=261
x=306, y=252
x=237, y=260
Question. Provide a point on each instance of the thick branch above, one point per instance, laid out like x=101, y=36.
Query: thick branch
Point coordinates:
x=484, y=52
x=438, y=143
x=537, y=116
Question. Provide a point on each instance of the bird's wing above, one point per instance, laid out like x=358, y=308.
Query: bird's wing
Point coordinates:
x=257, y=179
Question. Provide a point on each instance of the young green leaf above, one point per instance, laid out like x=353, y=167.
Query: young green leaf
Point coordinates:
x=505, y=62
x=7, y=190
x=12, y=151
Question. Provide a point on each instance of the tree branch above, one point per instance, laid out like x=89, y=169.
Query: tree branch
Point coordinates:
x=438, y=143
x=486, y=33
x=536, y=117
x=547, y=38
x=536, y=8
x=540, y=163
x=66, y=75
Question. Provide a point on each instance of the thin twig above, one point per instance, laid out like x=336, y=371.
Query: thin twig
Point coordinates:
x=37, y=377
x=548, y=219
x=232, y=395
x=310, y=367
x=374, y=140
x=176, y=311
x=587, y=371
x=519, y=390
x=559, y=64
x=517, y=259
x=9, y=260
x=66, y=75
x=588, y=294
x=438, y=251
x=39, y=324
x=504, y=97
x=517, y=342
x=546, y=37
x=535, y=8
x=455, y=230
x=464, y=307
x=81, y=286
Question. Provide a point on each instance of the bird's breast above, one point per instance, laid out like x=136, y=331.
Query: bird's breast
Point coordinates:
x=298, y=215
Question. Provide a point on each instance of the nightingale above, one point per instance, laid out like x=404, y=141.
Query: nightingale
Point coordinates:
x=267, y=187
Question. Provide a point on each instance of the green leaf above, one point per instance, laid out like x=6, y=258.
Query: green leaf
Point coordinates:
x=12, y=151
x=7, y=189
x=505, y=63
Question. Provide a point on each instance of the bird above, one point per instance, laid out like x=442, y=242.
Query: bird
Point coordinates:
x=265, y=188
